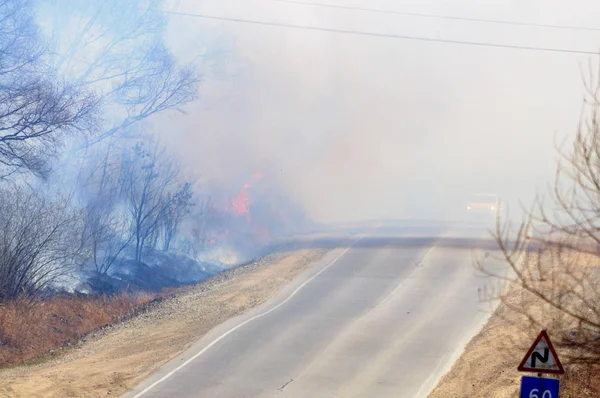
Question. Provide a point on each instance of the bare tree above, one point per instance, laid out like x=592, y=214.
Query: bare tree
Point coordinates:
x=179, y=207
x=106, y=231
x=106, y=236
x=153, y=191
x=119, y=50
x=39, y=242
x=36, y=111
x=554, y=254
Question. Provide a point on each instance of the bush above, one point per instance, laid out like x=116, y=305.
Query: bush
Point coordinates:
x=39, y=242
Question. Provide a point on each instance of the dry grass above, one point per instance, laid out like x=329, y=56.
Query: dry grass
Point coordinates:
x=119, y=357
x=29, y=330
x=488, y=366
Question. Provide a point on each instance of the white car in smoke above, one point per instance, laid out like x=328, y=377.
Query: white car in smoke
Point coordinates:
x=484, y=204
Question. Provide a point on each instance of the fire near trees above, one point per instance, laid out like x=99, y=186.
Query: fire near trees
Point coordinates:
x=84, y=190
x=86, y=194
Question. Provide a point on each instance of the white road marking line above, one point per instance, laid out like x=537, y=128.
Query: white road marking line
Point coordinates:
x=427, y=383
x=221, y=337
x=420, y=262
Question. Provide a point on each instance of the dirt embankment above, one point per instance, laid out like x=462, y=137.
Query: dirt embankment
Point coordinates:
x=116, y=359
x=488, y=366
x=34, y=331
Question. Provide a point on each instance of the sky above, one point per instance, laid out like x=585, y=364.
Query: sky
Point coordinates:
x=368, y=127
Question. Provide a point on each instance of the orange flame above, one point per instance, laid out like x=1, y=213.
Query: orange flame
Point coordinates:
x=241, y=201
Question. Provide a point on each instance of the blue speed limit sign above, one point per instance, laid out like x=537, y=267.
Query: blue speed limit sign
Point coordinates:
x=539, y=387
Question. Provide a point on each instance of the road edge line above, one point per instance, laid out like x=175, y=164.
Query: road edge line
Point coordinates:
x=227, y=333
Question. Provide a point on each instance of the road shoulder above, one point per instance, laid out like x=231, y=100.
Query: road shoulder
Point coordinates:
x=114, y=361
x=488, y=366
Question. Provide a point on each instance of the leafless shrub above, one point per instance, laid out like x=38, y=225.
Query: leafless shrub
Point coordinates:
x=554, y=254
x=39, y=242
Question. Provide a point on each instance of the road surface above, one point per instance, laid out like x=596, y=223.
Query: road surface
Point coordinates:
x=381, y=318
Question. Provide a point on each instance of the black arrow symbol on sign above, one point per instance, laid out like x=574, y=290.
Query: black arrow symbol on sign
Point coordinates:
x=537, y=355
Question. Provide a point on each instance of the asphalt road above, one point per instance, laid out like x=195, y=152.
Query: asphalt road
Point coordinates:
x=382, y=318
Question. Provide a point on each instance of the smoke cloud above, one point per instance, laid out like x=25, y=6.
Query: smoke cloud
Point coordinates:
x=362, y=127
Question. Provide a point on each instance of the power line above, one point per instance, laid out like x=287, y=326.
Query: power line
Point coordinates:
x=436, y=16
x=378, y=35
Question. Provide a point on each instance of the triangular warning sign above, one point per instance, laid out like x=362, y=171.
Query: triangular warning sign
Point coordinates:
x=541, y=357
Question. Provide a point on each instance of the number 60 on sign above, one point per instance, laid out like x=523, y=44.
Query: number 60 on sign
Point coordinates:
x=538, y=387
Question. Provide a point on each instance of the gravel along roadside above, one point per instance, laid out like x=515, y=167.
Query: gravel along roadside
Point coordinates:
x=116, y=359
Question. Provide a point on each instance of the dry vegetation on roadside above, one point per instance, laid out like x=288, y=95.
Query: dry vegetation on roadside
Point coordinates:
x=554, y=257
x=29, y=329
x=119, y=357
x=488, y=366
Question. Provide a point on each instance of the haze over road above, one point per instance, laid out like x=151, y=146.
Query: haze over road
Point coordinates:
x=383, y=318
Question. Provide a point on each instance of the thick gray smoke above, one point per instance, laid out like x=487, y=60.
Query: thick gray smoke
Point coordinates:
x=338, y=127
x=171, y=139
x=365, y=127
